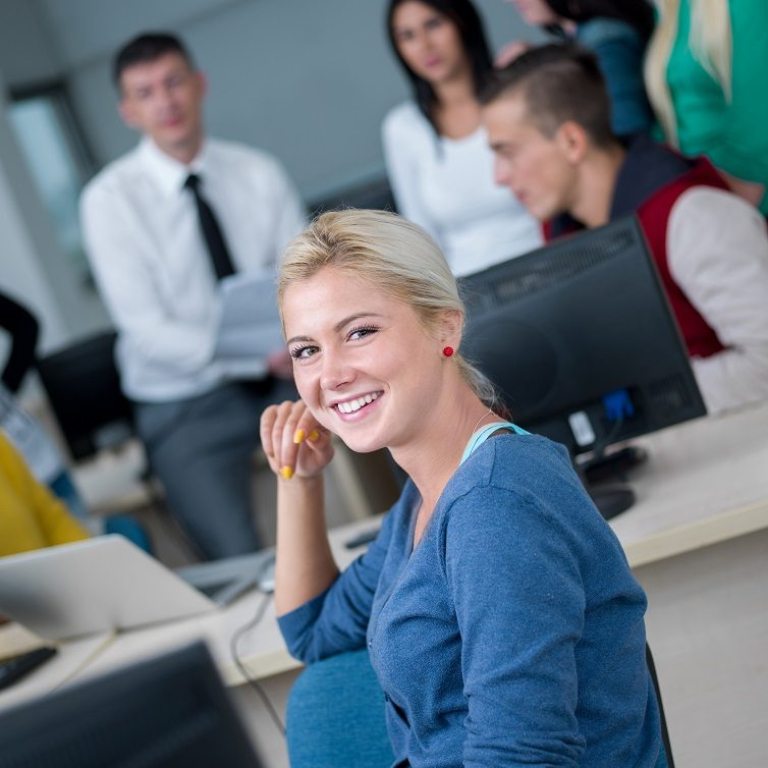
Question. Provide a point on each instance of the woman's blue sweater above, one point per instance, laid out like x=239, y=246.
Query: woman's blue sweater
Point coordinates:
x=511, y=635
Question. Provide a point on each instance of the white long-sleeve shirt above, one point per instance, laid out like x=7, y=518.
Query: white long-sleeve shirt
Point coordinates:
x=717, y=251
x=447, y=187
x=148, y=256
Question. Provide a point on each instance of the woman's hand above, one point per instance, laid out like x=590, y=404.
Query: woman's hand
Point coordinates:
x=752, y=191
x=510, y=52
x=298, y=447
x=294, y=442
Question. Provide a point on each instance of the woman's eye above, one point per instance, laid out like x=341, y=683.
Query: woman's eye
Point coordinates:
x=302, y=353
x=360, y=333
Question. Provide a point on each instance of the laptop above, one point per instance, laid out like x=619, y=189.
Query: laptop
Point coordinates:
x=108, y=584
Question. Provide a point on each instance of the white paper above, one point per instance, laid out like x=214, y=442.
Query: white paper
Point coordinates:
x=250, y=325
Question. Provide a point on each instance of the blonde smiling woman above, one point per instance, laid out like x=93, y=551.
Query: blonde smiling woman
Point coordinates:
x=496, y=604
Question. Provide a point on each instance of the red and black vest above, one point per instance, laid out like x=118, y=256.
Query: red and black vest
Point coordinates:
x=700, y=339
x=649, y=184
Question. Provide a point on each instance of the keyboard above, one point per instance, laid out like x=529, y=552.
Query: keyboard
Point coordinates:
x=17, y=667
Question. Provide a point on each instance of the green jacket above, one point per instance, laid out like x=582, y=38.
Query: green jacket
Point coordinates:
x=734, y=135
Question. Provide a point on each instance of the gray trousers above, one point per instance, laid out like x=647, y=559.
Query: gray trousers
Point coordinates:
x=201, y=449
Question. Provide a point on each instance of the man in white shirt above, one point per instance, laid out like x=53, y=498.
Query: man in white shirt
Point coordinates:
x=162, y=225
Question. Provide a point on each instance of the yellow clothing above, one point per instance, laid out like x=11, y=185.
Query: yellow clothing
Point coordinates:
x=31, y=517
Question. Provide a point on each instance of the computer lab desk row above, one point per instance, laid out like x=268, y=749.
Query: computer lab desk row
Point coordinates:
x=697, y=540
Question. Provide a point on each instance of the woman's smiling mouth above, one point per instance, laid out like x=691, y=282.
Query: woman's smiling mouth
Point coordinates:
x=357, y=403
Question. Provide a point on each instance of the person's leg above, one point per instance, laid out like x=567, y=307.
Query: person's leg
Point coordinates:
x=129, y=527
x=201, y=451
x=63, y=487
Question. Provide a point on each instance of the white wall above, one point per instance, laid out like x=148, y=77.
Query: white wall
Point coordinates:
x=33, y=267
x=27, y=50
x=26, y=55
x=310, y=80
x=21, y=273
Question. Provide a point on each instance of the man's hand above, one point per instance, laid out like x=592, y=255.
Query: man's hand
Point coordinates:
x=280, y=364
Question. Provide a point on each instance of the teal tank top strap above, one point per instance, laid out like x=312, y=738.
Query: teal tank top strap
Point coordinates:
x=479, y=437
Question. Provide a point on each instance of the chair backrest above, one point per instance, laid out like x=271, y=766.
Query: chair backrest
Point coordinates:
x=665, y=759
x=375, y=194
x=336, y=716
x=83, y=387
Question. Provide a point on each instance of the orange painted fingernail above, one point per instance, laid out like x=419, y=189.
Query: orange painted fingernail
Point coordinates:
x=299, y=436
x=314, y=435
x=287, y=472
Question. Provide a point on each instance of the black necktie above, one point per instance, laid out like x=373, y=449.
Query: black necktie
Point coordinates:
x=209, y=225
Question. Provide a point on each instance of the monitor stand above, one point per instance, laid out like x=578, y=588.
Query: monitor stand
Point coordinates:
x=611, y=500
x=613, y=465
x=604, y=477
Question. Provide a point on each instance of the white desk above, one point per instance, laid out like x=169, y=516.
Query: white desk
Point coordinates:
x=698, y=542
x=72, y=659
x=705, y=482
x=261, y=651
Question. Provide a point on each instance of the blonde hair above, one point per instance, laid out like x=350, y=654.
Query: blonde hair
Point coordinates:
x=396, y=256
x=710, y=41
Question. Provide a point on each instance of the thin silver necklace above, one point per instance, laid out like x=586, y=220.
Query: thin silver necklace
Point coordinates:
x=488, y=413
x=474, y=429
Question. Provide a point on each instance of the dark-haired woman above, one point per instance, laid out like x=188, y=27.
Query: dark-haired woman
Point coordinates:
x=438, y=160
x=617, y=32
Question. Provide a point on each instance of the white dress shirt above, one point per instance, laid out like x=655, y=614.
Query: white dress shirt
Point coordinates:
x=148, y=256
x=447, y=187
x=717, y=251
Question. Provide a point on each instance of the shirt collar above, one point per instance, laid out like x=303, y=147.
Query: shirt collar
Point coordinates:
x=170, y=174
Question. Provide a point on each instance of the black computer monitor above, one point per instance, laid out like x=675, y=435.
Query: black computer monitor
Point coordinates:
x=580, y=340
x=169, y=712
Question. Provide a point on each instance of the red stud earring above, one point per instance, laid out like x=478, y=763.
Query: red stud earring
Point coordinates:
x=448, y=351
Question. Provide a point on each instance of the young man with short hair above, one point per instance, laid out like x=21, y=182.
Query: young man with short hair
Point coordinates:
x=163, y=225
x=548, y=122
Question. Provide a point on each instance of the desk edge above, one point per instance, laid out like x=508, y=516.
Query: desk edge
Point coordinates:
x=702, y=533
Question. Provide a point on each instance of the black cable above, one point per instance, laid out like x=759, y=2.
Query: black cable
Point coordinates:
x=247, y=627
x=598, y=451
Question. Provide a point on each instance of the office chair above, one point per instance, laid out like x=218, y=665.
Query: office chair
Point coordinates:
x=670, y=763
x=83, y=388
x=375, y=194
x=335, y=716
